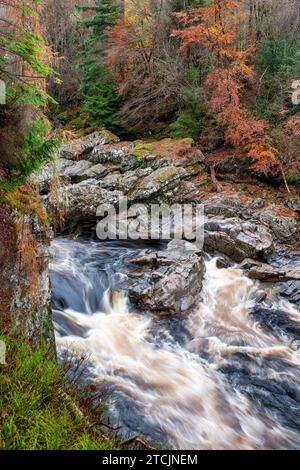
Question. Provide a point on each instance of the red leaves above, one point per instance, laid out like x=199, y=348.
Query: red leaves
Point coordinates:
x=264, y=158
x=118, y=36
x=293, y=126
x=215, y=28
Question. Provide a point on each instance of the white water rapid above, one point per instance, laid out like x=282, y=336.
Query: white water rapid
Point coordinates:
x=215, y=379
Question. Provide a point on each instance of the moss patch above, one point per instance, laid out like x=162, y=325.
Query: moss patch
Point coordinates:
x=166, y=148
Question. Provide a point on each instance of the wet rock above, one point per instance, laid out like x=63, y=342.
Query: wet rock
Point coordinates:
x=238, y=239
x=290, y=291
x=223, y=262
x=167, y=282
x=267, y=273
x=249, y=263
x=277, y=321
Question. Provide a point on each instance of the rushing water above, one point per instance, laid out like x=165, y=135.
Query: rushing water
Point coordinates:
x=216, y=379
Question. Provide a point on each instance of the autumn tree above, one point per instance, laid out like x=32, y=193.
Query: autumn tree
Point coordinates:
x=145, y=62
x=216, y=29
x=59, y=22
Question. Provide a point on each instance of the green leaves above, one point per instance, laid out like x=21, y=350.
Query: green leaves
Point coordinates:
x=28, y=47
x=36, y=149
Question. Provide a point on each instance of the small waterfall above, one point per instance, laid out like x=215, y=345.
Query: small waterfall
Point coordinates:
x=226, y=384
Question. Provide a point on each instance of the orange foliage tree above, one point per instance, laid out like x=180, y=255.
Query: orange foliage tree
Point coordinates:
x=216, y=28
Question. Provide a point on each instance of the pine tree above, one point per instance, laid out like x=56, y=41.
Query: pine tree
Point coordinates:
x=24, y=139
x=98, y=87
x=23, y=62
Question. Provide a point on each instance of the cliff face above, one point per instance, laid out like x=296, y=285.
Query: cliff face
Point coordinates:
x=25, y=294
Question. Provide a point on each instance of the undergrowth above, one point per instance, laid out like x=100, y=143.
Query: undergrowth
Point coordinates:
x=39, y=409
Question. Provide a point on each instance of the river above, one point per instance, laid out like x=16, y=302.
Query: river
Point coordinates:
x=217, y=378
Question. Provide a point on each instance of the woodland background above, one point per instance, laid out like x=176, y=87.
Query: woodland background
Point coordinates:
x=217, y=71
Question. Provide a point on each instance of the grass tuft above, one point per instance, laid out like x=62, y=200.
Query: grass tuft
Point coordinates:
x=33, y=413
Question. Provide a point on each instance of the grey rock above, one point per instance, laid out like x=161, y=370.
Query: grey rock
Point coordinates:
x=249, y=263
x=167, y=282
x=293, y=203
x=284, y=228
x=258, y=203
x=43, y=177
x=95, y=172
x=77, y=149
x=267, y=273
x=131, y=178
x=119, y=156
x=160, y=180
x=82, y=200
x=238, y=239
x=111, y=181
x=76, y=171
x=290, y=291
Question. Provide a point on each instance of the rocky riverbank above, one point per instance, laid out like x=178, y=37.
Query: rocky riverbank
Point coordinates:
x=260, y=234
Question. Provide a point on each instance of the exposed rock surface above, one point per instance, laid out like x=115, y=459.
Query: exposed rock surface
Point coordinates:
x=290, y=291
x=99, y=169
x=238, y=239
x=277, y=321
x=267, y=273
x=25, y=295
x=76, y=149
x=271, y=274
x=168, y=281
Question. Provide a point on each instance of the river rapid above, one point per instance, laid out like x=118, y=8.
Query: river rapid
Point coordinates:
x=217, y=378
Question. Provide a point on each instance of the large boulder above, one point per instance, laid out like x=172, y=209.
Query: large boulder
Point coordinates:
x=238, y=239
x=157, y=182
x=283, y=228
x=82, y=200
x=169, y=281
x=79, y=148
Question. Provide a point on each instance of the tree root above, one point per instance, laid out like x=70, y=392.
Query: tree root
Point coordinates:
x=138, y=441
